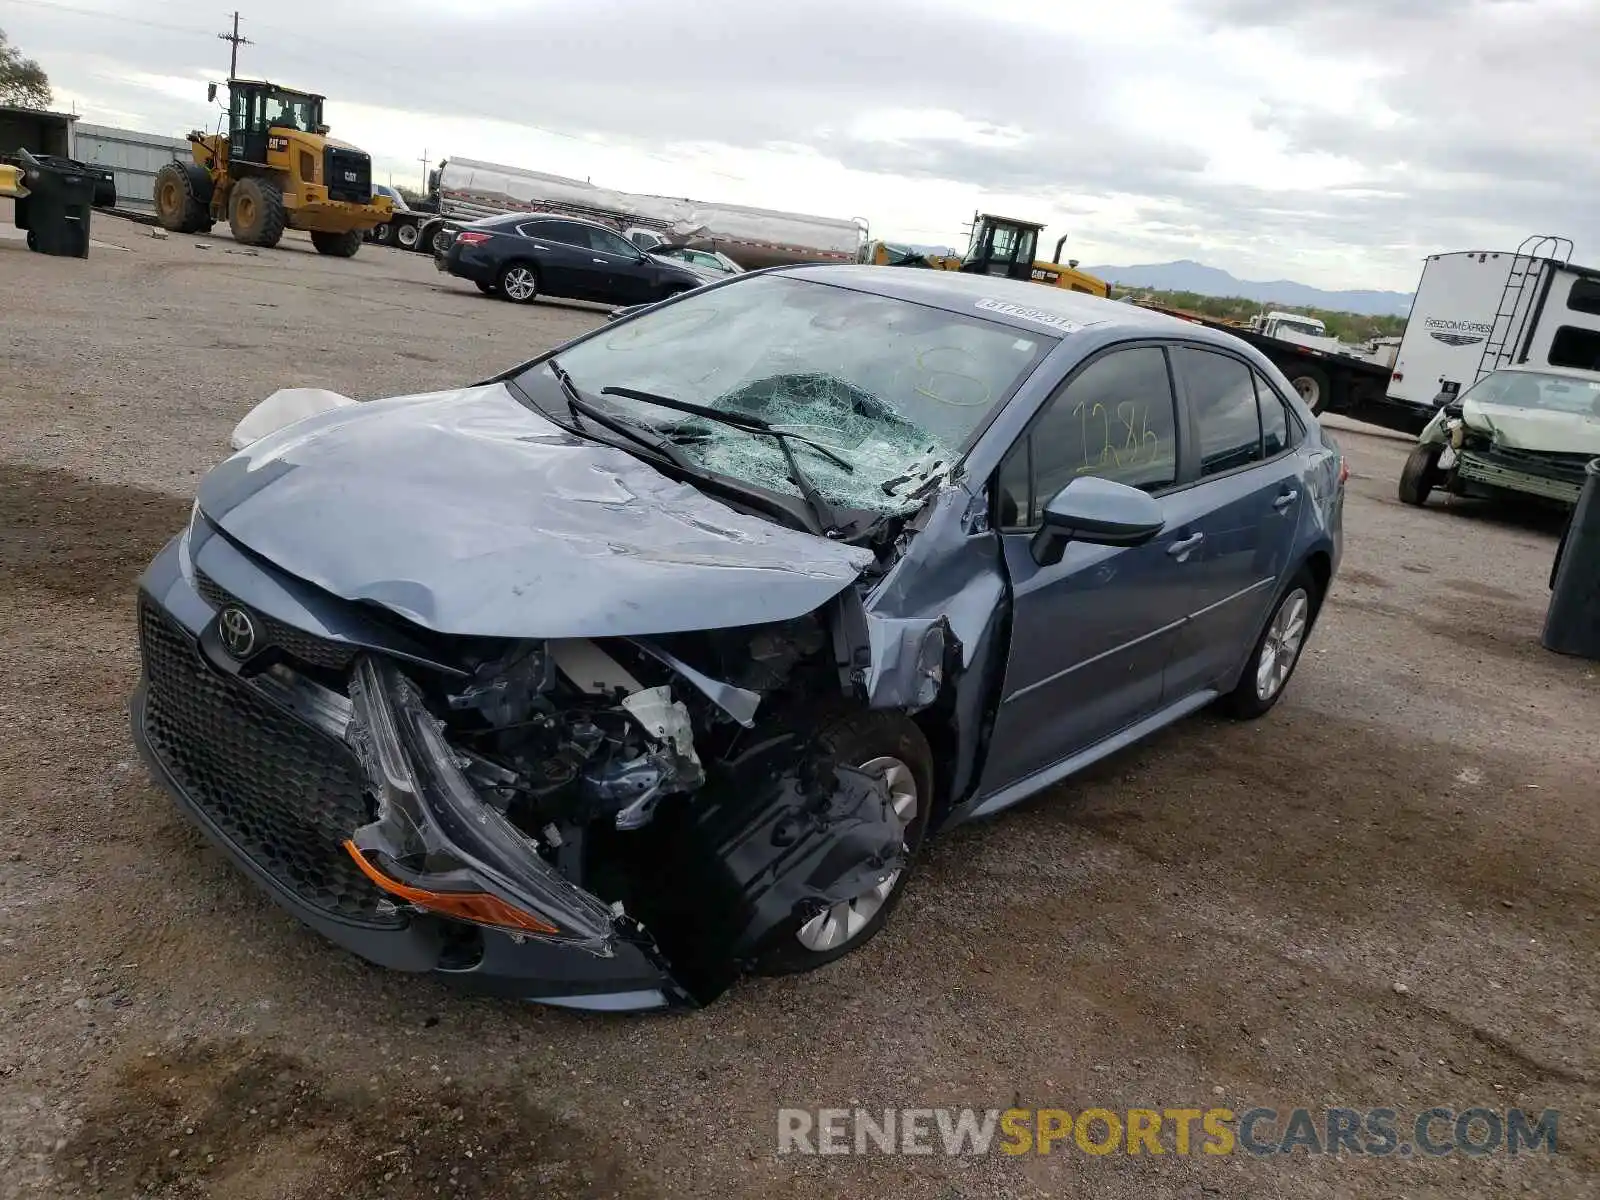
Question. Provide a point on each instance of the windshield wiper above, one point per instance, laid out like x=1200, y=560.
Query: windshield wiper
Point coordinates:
x=825, y=516
x=576, y=404
x=738, y=420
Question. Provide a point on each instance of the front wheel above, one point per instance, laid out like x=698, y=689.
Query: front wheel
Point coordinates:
x=406, y=235
x=1277, y=650
x=338, y=245
x=891, y=747
x=1420, y=475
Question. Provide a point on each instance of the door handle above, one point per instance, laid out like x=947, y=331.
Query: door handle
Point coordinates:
x=1283, y=501
x=601, y=261
x=536, y=246
x=1182, y=548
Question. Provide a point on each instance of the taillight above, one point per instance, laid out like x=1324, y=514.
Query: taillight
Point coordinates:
x=471, y=239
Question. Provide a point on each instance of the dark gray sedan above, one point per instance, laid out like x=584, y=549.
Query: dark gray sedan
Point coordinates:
x=655, y=659
x=522, y=256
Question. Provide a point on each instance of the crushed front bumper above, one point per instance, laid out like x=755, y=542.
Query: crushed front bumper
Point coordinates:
x=262, y=765
x=1548, y=477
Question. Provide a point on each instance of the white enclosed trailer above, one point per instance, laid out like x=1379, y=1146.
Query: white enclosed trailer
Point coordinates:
x=1476, y=310
x=465, y=189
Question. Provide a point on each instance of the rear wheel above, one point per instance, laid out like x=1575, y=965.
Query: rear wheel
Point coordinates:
x=1277, y=650
x=255, y=212
x=890, y=746
x=518, y=282
x=1420, y=475
x=1313, y=385
x=183, y=201
x=406, y=235
x=337, y=245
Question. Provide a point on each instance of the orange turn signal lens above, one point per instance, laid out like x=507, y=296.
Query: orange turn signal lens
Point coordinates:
x=478, y=907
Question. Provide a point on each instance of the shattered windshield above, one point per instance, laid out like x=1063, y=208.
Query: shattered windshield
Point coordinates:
x=894, y=389
x=1535, y=389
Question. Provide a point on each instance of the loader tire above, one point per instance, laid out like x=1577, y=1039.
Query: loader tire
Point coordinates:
x=255, y=212
x=183, y=197
x=337, y=245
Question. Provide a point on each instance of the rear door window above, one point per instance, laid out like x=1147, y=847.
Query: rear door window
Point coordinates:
x=1278, y=430
x=1222, y=400
x=569, y=233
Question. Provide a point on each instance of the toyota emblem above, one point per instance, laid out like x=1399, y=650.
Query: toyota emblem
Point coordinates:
x=237, y=632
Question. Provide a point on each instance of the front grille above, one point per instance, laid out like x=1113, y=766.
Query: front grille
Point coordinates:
x=1533, y=477
x=349, y=175
x=1555, y=464
x=284, y=794
x=296, y=643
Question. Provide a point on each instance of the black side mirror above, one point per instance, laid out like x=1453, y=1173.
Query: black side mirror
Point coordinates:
x=1099, y=511
x=211, y=93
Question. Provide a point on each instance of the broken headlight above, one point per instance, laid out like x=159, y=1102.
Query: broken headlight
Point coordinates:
x=435, y=843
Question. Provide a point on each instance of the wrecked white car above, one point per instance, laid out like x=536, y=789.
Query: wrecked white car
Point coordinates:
x=653, y=660
x=1521, y=430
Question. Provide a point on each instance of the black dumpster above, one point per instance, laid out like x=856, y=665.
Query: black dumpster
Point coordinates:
x=56, y=210
x=1572, y=623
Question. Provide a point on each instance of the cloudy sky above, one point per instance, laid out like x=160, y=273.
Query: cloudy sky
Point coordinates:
x=1333, y=143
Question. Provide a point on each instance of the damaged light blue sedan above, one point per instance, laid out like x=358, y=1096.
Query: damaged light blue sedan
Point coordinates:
x=655, y=659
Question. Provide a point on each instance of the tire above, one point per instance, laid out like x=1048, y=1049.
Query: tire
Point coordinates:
x=255, y=212
x=1420, y=475
x=382, y=234
x=406, y=235
x=337, y=245
x=1313, y=385
x=518, y=282
x=182, y=196
x=882, y=741
x=1258, y=689
x=434, y=238
x=488, y=289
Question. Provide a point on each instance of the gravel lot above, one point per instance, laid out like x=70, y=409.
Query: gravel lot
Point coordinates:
x=1384, y=894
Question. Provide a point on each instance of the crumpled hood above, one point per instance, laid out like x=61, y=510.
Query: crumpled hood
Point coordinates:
x=1534, y=428
x=468, y=513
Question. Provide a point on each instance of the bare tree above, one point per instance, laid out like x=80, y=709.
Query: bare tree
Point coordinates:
x=22, y=81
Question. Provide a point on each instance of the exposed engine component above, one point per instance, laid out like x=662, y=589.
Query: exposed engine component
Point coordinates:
x=563, y=734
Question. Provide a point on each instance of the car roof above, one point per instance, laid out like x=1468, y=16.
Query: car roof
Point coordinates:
x=1022, y=305
x=551, y=216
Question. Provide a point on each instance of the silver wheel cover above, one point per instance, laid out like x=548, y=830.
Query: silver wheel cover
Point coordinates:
x=1280, y=649
x=840, y=924
x=520, y=283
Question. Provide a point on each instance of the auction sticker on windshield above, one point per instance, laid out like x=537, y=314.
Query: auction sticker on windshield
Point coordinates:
x=1029, y=314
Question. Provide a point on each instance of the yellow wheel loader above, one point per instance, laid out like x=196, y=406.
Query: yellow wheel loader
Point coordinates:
x=999, y=246
x=275, y=169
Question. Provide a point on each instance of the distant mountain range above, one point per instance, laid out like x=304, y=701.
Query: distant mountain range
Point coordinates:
x=1188, y=276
